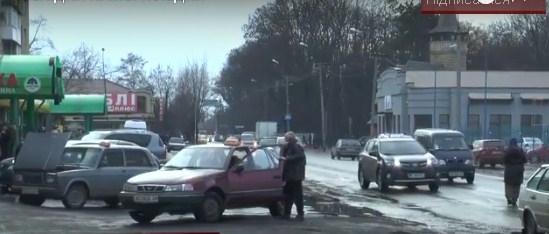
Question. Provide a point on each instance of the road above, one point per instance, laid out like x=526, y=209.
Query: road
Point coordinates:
x=459, y=207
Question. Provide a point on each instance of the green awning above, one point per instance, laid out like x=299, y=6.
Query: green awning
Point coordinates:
x=76, y=104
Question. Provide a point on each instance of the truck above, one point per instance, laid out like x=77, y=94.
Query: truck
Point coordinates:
x=265, y=129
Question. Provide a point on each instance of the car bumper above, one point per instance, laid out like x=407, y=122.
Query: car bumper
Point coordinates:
x=456, y=171
x=44, y=191
x=399, y=176
x=177, y=202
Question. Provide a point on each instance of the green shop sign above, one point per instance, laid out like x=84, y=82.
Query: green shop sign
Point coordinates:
x=31, y=76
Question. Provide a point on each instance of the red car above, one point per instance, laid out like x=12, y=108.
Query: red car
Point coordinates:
x=488, y=151
x=205, y=180
x=540, y=154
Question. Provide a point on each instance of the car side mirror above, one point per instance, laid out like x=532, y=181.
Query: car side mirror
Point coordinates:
x=238, y=169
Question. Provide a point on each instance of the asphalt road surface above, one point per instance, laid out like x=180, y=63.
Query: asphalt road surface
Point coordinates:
x=457, y=208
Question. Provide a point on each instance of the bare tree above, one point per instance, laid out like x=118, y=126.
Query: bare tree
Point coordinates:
x=83, y=63
x=132, y=69
x=40, y=40
x=161, y=81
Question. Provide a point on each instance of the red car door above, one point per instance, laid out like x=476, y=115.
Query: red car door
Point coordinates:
x=243, y=185
x=268, y=176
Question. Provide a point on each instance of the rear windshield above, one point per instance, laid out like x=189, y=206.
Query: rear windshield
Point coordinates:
x=267, y=141
x=176, y=140
x=494, y=144
x=350, y=143
x=81, y=156
x=449, y=142
x=246, y=137
x=142, y=140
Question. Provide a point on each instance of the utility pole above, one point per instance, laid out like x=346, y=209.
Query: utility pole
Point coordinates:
x=287, y=104
x=322, y=113
x=458, y=46
x=104, y=81
x=373, y=103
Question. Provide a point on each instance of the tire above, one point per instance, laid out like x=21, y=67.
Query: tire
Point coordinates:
x=530, y=225
x=362, y=180
x=112, y=202
x=211, y=209
x=433, y=187
x=411, y=187
x=381, y=183
x=76, y=197
x=470, y=179
x=450, y=180
x=333, y=157
x=32, y=200
x=277, y=209
x=142, y=217
x=338, y=157
x=493, y=165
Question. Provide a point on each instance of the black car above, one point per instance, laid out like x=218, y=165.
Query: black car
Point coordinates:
x=397, y=160
x=346, y=148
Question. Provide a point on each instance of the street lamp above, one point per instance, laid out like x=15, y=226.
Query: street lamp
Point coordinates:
x=287, y=116
x=104, y=79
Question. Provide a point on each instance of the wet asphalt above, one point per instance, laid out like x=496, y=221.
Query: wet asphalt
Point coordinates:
x=334, y=204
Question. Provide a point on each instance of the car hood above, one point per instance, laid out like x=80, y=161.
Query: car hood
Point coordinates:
x=453, y=154
x=407, y=158
x=172, y=176
x=41, y=151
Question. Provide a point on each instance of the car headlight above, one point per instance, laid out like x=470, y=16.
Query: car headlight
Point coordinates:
x=129, y=188
x=178, y=188
x=18, y=178
x=432, y=161
x=51, y=178
x=469, y=162
x=395, y=163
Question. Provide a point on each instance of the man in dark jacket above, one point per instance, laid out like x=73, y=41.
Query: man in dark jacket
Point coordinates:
x=513, y=160
x=293, y=156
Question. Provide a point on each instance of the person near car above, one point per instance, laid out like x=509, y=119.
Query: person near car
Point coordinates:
x=5, y=139
x=513, y=160
x=293, y=175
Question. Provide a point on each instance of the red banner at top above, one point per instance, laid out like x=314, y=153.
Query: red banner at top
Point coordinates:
x=483, y=7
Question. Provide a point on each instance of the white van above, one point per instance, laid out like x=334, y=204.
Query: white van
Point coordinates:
x=135, y=124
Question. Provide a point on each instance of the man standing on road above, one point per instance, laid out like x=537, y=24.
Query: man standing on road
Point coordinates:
x=514, y=160
x=293, y=175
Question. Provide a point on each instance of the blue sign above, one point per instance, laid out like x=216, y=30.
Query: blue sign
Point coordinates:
x=288, y=117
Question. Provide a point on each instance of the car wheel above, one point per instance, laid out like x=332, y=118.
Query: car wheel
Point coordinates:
x=411, y=187
x=112, y=202
x=493, y=165
x=277, y=209
x=211, y=209
x=32, y=200
x=362, y=180
x=433, y=187
x=76, y=197
x=338, y=157
x=333, y=157
x=381, y=183
x=530, y=225
x=142, y=217
x=470, y=179
x=450, y=180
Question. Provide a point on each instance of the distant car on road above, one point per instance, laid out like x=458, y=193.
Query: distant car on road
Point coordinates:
x=539, y=155
x=397, y=160
x=346, y=148
x=143, y=138
x=488, y=151
x=267, y=141
x=248, y=140
x=205, y=180
x=533, y=202
x=75, y=173
x=176, y=143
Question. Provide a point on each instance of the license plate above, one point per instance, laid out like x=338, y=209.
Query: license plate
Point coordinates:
x=455, y=174
x=29, y=191
x=145, y=198
x=416, y=175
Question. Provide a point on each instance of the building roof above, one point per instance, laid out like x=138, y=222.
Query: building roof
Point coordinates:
x=447, y=23
x=94, y=86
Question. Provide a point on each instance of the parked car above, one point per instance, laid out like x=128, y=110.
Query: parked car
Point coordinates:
x=176, y=143
x=538, y=155
x=346, y=148
x=533, y=202
x=529, y=143
x=397, y=160
x=74, y=174
x=449, y=147
x=488, y=151
x=143, y=138
x=248, y=140
x=205, y=180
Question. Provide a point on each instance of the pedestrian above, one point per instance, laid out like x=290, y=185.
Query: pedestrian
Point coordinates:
x=5, y=139
x=293, y=157
x=513, y=160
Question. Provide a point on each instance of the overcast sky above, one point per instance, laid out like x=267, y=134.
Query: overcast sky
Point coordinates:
x=160, y=31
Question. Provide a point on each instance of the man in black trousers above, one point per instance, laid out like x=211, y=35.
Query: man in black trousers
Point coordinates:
x=293, y=157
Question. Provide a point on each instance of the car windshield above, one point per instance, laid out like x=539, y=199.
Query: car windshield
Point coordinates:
x=267, y=141
x=246, y=137
x=94, y=136
x=176, y=140
x=350, y=143
x=401, y=148
x=199, y=158
x=450, y=143
x=81, y=156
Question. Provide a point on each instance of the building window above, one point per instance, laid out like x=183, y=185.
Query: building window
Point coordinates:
x=500, y=127
x=444, y=121
x=531, y=125
x=423, y=121
x=141, y=104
